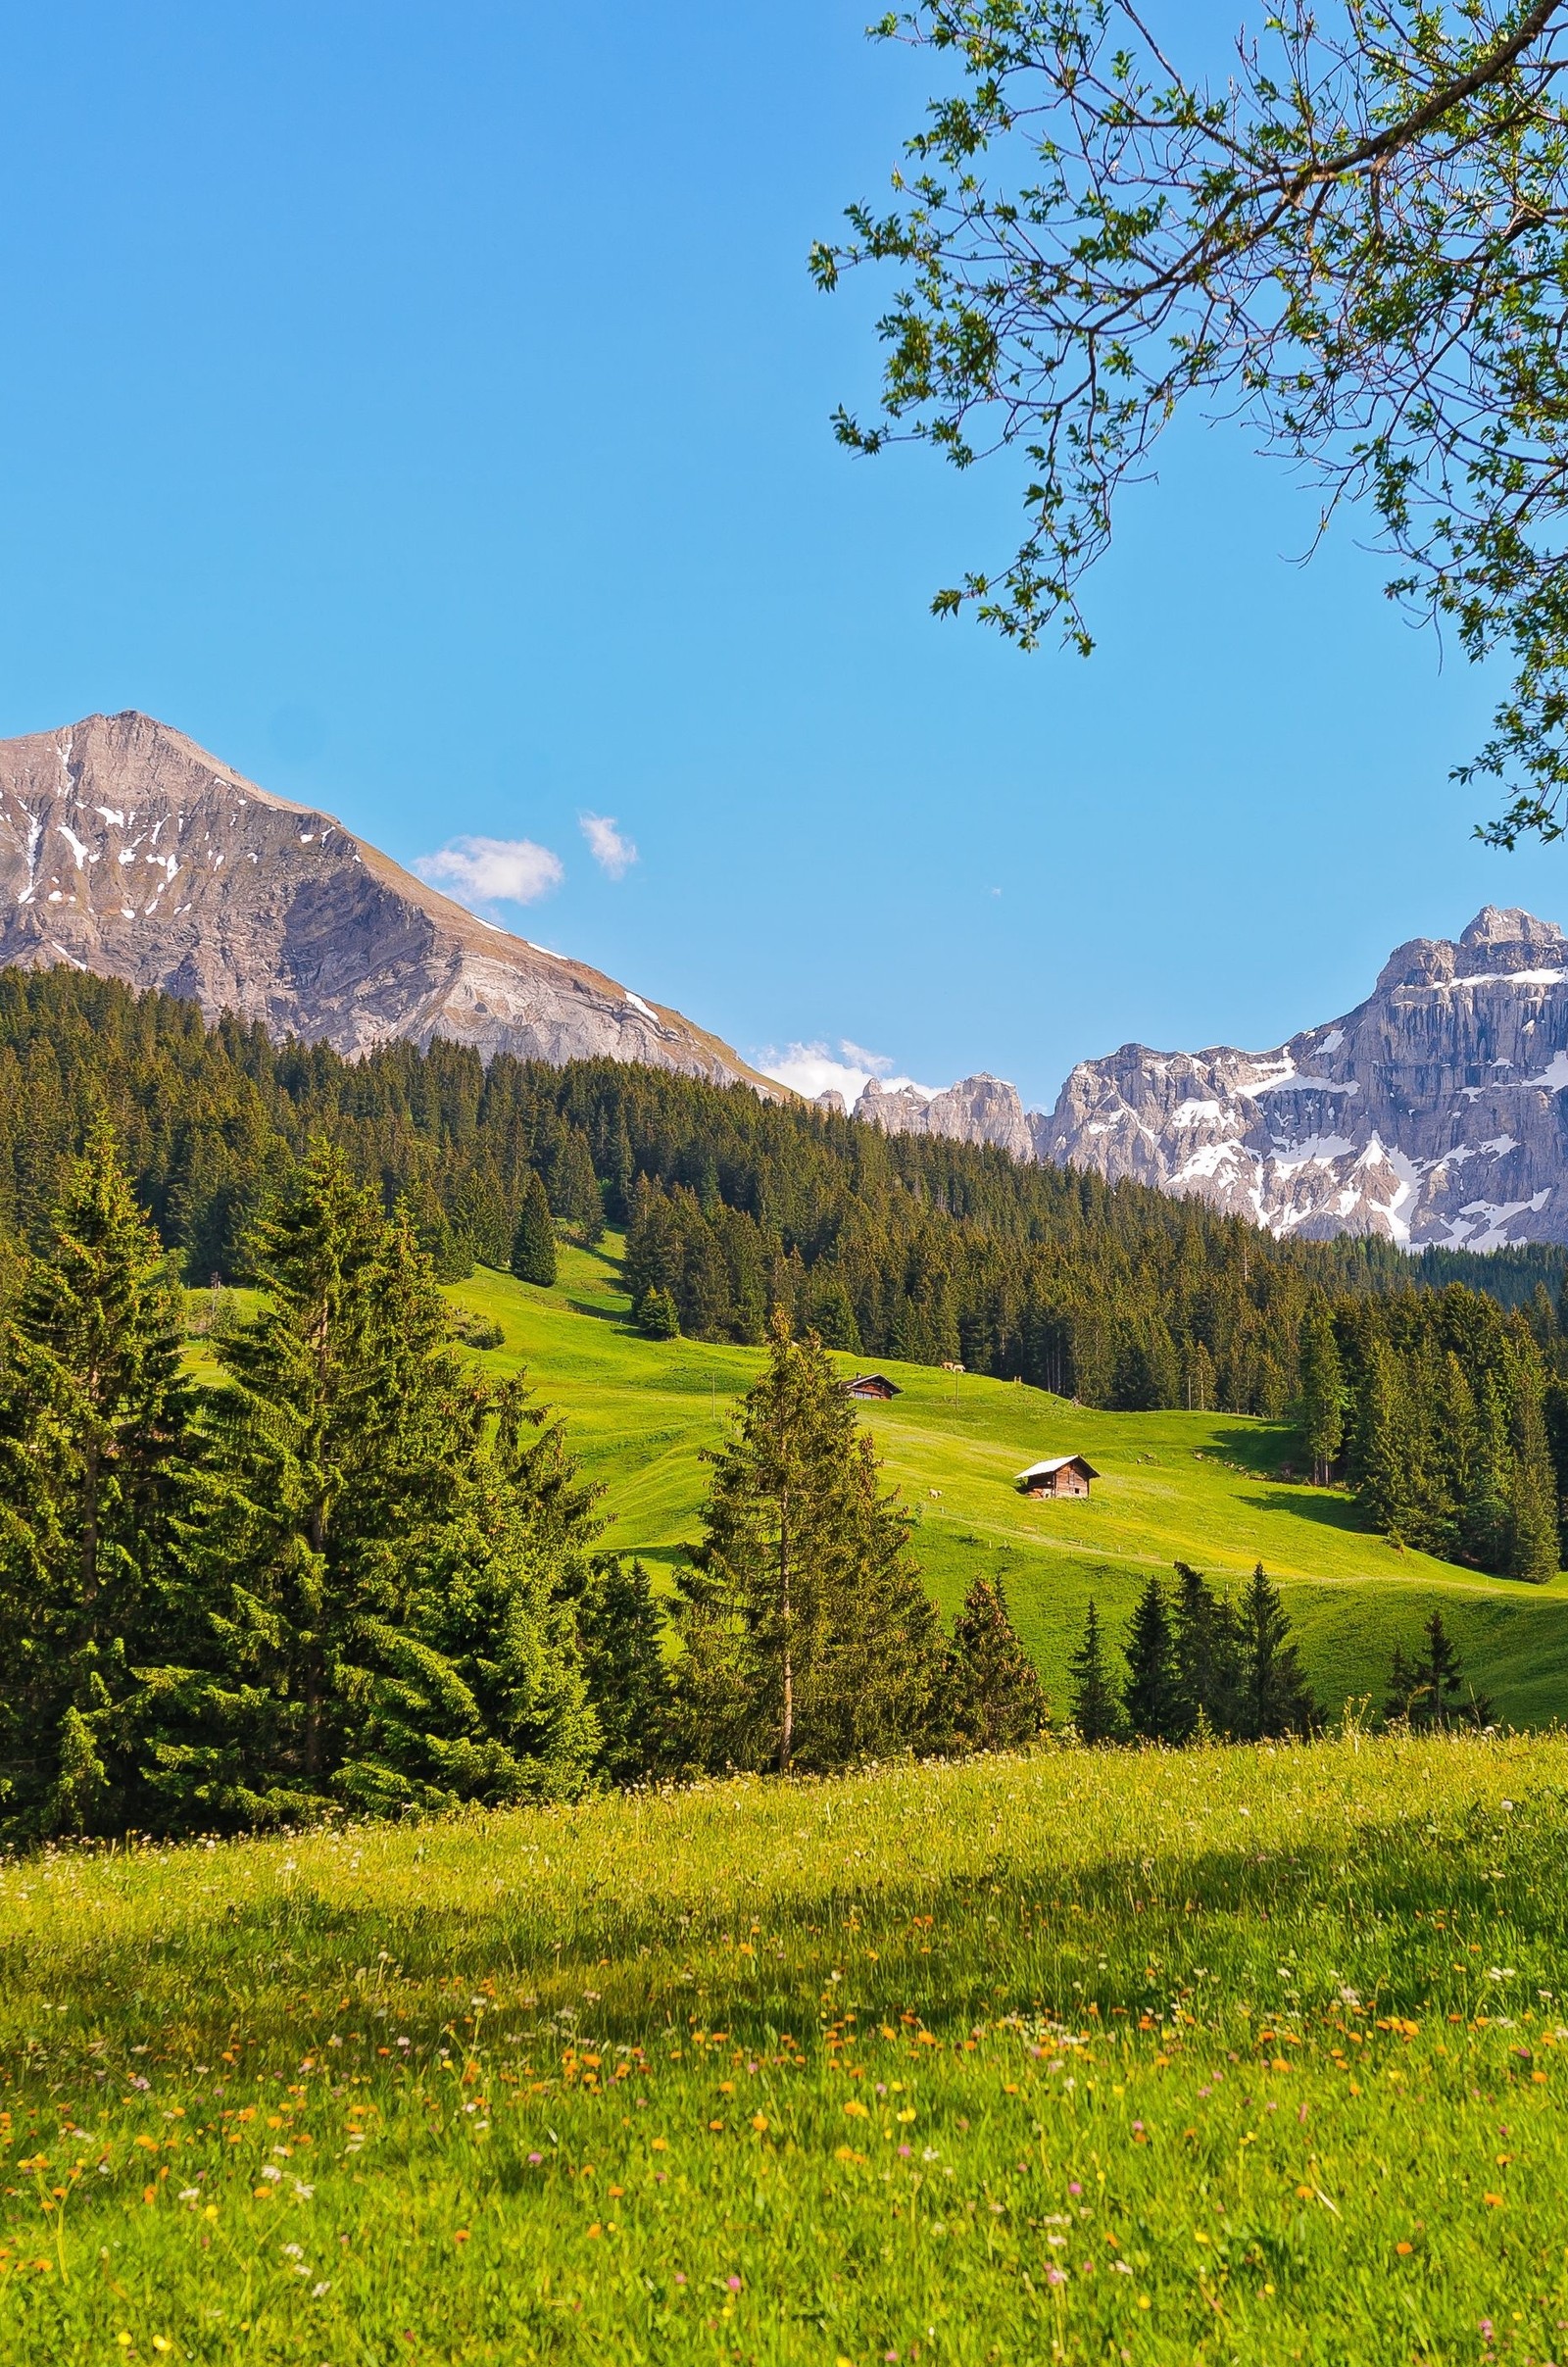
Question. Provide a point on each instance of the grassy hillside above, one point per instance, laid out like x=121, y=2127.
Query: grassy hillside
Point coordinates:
x=1201, y=1488
x=1248, y=2055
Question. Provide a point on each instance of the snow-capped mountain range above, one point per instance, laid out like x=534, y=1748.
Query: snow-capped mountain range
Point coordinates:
x=1436, y=1112
x=1432, y=1113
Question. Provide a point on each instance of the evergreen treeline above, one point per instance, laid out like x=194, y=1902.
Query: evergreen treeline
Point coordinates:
x=1197, y=1667
x=886, y=1245
x=343, y=1579
x=1445, y=1408
x=355, y=1575
x=1447, y=1417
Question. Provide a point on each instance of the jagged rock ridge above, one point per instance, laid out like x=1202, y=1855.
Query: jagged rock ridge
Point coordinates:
x=129, y=850
x=978, y=1109
x=1432, y=1114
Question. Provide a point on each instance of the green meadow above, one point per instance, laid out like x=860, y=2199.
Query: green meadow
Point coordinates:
x=1248, y=2055
x=1210, y=1488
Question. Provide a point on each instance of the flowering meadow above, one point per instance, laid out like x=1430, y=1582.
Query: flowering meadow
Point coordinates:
x=1228, y=2054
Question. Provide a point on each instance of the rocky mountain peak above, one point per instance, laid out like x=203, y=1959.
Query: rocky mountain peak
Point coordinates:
x=1497, y=943
x=980, y=1109
x=1431, y=1112
x=128, y=850
x=1510, y=927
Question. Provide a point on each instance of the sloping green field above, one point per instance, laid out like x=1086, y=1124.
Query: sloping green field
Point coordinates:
x=1239, y=2057
x=1195, y=1487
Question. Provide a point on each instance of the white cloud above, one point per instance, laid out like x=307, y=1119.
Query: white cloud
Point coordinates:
x=811, y=1069
x=610, y=850
x=493, y=870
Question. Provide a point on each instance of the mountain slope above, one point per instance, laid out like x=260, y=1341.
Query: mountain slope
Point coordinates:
x=1432, y=1113
x=126, y=850
x=1211, y=1489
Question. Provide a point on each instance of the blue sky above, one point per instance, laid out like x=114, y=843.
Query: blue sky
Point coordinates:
x=427, y=410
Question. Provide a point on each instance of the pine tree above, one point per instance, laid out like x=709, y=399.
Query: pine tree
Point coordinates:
x=1484, y=1522
x=1533, y=1494
x=994, y=1692
x=621, y=1634
x=808, y=1639
x=533, y=1244
x=1457, y=1438
x=1204, y=1652
x=374, y=1599
x=658, y=1317
x=1272, y=1696
x=1322, y=1413
x=574, y=1193
x=1440, y=1695
x=93, y=1450
x=1386, y=1453
x=832, y=1315
x=1096, y=1712
x=1151, y=1701
x=1199, y=1387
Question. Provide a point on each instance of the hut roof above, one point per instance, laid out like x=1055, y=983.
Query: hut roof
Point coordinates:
x=1059, y=1462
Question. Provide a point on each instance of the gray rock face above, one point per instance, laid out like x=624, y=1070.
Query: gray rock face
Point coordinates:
x=1434, y=1112
x=978, y=1109
x=126, y=850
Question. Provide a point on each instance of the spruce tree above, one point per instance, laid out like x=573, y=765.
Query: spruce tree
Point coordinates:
x=620, y=1635
x=1386, y=1450
x=1272, y=1697
x=1096, y=1714
x=373, y=1598
x=1150, y=1699
x=94, y=1449
x=995, y=1698
x=1199, y=1383
x=1441, y=1697
x=658, y=1317
x=533, y=1244
x=574, y=1193
x=1484, y=1534
x=1533, y=1511
x=833, y=1315
x=1205, y=1654
x=1322, y=1395
x=1457, y=1441
x=808, y=1639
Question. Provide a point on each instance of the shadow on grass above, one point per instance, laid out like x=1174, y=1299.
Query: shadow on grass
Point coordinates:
x=1001, y=1938
x=621, y=1317
x=1330, y=1511
x=1263, y=1453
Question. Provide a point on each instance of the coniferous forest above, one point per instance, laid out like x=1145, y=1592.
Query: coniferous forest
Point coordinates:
x=360, y=1575
x=1433, y=1386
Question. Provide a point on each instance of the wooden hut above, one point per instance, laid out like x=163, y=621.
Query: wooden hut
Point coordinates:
x=871, y=1385
x=1058, y=1475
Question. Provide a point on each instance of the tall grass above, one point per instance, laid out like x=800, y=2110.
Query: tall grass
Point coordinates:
x=1231, y=2054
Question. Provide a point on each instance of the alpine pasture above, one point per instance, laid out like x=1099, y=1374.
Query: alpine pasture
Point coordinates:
x=1228, y=2054
x=1205, y=1488
x=1224, y=2054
